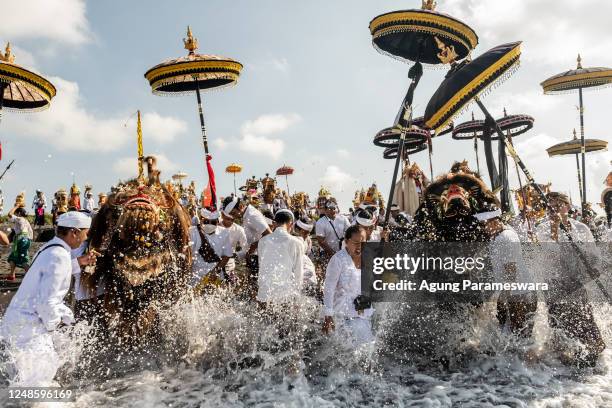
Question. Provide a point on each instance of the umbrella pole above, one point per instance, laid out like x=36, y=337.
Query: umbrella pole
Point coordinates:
x=201, y=112
x=579, y=177
x=488, y=147
x=582, y=151
x=2, y=87
x=235, y=191
x=404, y=120
x=287, y=180
x=476, y=152
x=429, y=149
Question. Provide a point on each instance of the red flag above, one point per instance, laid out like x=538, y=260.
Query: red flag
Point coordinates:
x=0, y=150
x=212, y=187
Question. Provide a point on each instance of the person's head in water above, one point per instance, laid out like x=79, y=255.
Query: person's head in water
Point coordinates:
x=303, y=227
x=234, y=207
x=284, y=219
x=490, y=217
x=73, y=227
x=558, y=206
x=366, y=220
x=331, y=209
x=354, y=236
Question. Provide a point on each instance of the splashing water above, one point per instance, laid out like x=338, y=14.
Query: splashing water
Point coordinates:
x=219, y=351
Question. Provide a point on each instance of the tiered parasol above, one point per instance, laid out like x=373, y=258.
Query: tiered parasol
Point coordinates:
x=466, y=82
x=179, y=177
x=579, y=79
x=574, y=147
x=234, y=169
x=422, y=36
x=285, y=171
x=21, y=89
x=194, y=73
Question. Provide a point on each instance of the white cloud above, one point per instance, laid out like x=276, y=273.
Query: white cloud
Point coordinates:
x=162, y=129
x=262, y=145
x=343, y=153
x=554, y=30
x=220, y=144
x=127, y=167
x=56, y=20
x=270, y=124
x=280, y=64
x=68, y=125
x=337, y=180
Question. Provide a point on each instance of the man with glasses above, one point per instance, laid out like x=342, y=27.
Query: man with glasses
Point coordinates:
x=37, y=309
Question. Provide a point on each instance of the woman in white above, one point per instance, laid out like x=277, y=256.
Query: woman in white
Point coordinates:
x=303, y=228
x=342, y=286
x=216, y=239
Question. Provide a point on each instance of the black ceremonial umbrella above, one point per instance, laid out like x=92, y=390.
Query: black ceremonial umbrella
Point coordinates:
x=421, y=36
x=467, y=81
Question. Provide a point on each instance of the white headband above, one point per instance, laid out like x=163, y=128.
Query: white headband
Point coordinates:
x=209, y=215
x=365, y=222
x=304, y=226
x=484, y=216
x=230, y=206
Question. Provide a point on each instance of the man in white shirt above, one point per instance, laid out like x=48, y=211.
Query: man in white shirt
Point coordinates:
x=210, y=249
x=37, y=309
x=238, y=242
x=281, y=259
x=330, y=229
x=255, y=227
x=572, y=313
x=509, y=266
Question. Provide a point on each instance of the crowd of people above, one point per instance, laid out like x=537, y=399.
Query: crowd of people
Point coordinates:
x=287, y=254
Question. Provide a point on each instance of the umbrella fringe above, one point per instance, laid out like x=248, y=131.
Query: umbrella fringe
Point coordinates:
x=183, y=93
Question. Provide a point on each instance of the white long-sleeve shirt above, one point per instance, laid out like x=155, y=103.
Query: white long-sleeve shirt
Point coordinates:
x=309, y=274
x=38, y=306
x=221, y=245
x=281, y=263
x=237, y=238
x=342, y=285
x=254, y=224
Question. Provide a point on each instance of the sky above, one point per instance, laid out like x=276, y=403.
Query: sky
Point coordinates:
x=312, y=94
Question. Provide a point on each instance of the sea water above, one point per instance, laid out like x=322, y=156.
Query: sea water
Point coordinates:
x=218, y=351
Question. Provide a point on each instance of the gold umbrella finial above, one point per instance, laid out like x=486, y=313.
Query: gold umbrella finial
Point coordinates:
x=429, y=5
x=8, y=55
x=191, y=43
x=505, y=113
x=579, y=60
x=575, y=137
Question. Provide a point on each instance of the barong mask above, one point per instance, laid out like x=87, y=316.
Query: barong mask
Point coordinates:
x=142, y=233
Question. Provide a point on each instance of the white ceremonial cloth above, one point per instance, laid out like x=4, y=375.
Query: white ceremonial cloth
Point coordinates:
x=281, y=263
x=35, y=312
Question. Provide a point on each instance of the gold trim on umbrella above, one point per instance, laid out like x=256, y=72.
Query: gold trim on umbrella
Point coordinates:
x=441, y=118
x=233, y=168
x=426, y=22
x=578, y=78
x=28, y=91
x=194, y=70
x=575, y=147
